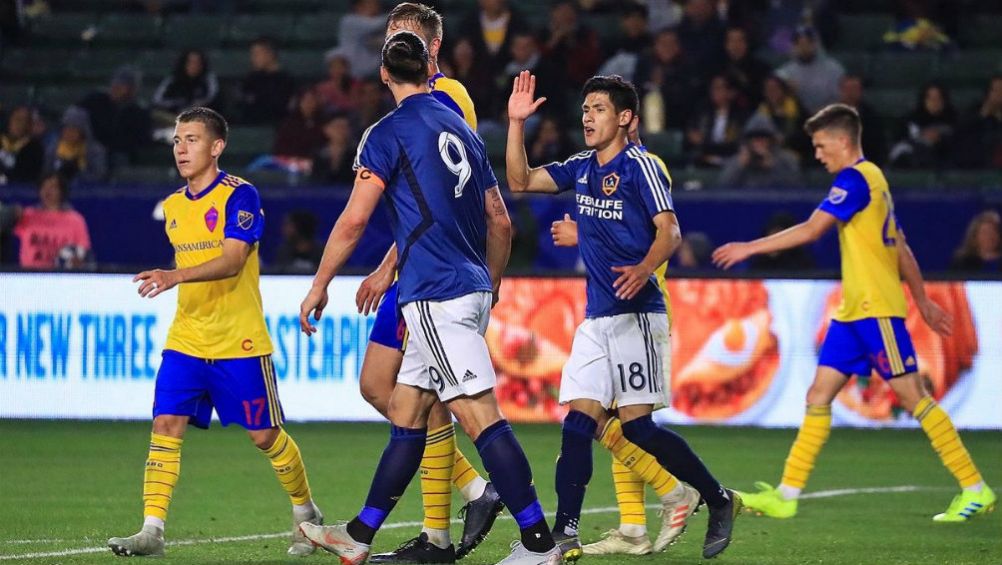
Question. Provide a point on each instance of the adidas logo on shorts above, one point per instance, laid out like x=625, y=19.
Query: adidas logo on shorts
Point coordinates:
x=469, y=376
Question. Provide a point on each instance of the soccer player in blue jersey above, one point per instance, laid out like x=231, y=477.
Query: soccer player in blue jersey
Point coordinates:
x=627, y=229
x=218, y=352
x=384, y=354
x=453, y=234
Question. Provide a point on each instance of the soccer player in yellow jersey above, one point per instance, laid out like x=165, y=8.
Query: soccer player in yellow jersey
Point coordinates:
x=678, y=500
x=443, y=465
x=218, y=352
x=868, y=330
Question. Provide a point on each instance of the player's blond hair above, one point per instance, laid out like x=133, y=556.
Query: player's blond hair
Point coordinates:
x=424, y=16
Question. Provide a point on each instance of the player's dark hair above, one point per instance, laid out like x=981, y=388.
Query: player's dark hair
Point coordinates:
x=213, y=120
x=836, y=117
x=424, y=16
x=621, y=92
x=405, y=57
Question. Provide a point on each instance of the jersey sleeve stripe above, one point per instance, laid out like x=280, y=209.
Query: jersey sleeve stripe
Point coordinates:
x=361, y=144
x=657, y=187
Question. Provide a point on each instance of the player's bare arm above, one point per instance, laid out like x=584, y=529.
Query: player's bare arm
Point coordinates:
x=377, y=283
x=728, y=255
x=521, y=105
x=565, y=232
x=632, y=278
x=498, y=237
x=934, y=316
x=235, y=254
x=341, y=243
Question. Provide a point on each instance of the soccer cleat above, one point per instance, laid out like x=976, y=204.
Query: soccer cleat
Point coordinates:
x=967, y=505
x=768, y=501
x=417, y=550
x=674, y=514
x=521, y=556
x=147, y=542
x=614, y=542
x=301, y=547
x=720, y=525
x=478, y=518
x=336, y=540
x=569, y=546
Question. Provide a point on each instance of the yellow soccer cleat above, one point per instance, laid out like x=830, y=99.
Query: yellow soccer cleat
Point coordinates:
x=614, y=542
x=967, y=505
x=768, y=501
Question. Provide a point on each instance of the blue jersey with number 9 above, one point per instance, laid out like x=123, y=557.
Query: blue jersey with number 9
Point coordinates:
x=434, y=171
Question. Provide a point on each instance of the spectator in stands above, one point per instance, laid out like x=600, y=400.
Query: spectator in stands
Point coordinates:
x=549, y=143
x=694, y=252
x=338, y=93
x=624, y=50
x=713, y=135
x=874, y=141
x=372, y=104
x=75, y=154
x=191, y=84
x=300, y=135
x=914, y=30
x=795, y=259
x=666, y=71
x=781, y=110
x=574, y=45
x=490, y=29
x=813, y=75
x=265, y=91
x=361, y=34
x=981, y=250
x=300, y=252
x=117, y=120
x=333, y=163
x=980, y=143
x=746, y=71
x=929, y=129
x=21, y=154
x=45, y=229
x=760, y=163
x=525, y=55
x=702, y=35
x=462, y=66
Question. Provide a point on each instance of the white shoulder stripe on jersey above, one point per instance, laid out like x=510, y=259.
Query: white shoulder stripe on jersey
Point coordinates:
x=365, y=136
x=579, y=156
x=649, y=168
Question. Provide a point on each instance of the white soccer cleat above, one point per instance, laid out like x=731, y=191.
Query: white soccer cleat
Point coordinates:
x=674, y=514
x=522, y=556
x=147, y=542
x=301, y=546
x=614, y=542
x=336, y=540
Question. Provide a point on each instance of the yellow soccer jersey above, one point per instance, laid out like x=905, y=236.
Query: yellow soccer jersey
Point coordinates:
x=452, y=93
x=867, y=232
x=221, y=319
x=662, y=272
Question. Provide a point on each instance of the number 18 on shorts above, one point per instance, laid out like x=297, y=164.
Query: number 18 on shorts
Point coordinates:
x=618, y=358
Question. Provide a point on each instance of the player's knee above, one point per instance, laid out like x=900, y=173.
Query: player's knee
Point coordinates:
x=819, y=396
x=264, y=439
x=377, y=396
x=170, y=425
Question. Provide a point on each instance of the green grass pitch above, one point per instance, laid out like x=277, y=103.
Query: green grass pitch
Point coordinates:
x=67, y=486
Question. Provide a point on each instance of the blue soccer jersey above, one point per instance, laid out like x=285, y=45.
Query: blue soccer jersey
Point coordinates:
x=615, y=206
x=434, y=171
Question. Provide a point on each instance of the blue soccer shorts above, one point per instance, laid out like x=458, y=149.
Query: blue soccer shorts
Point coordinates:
x=858, y=347
x=242, y=391
x=389, y=329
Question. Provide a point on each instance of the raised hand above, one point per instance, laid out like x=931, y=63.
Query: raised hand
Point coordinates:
x=522, y=104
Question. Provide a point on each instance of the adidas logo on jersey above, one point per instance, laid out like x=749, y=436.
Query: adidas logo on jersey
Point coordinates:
x=910, y=361
x=173, y=224
x=469, y=376
x=583, y=179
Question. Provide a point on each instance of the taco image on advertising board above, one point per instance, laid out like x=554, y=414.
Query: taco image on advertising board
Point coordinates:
x=724, y=352
x=941, y=360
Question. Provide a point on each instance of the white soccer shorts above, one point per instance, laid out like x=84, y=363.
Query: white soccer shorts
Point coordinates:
x=624, y=358
x=446, y=352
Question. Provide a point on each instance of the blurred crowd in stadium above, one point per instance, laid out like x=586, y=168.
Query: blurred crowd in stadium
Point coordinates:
x=725, y=86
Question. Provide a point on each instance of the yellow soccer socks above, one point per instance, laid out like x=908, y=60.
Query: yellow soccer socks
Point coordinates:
x=811, y=438
x=630, y=499
x=436, y=483
x=945, y=440
x=288, y=464
x=163, y=465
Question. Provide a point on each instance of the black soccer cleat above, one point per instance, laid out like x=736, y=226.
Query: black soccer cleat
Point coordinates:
x=720, y=525
x=478, y=519
x=417, y=550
